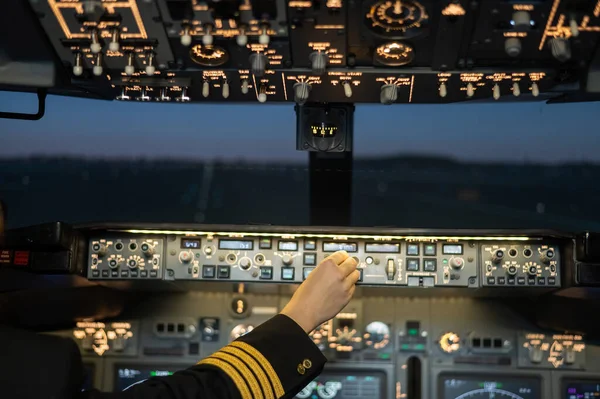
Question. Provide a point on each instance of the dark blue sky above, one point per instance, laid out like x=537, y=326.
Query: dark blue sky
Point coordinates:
x=473, y=132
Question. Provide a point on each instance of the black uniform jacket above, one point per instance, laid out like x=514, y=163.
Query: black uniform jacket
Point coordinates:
x=275, y=360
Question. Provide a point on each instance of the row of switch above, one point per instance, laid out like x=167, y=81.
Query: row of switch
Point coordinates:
x=496, y=92
x=520, y=281
x=125, y=273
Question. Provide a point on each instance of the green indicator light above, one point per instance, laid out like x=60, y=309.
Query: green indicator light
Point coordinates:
x=444, y=261
x=405, y=346
x=419, y=347
x=153, y=374
x=384, y=356
x=413, y=331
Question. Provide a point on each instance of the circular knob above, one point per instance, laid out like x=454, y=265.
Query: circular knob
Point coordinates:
x=347, y=89
x=287, y=260
x=242, y=38
x=245, y=263
x=574, y=27
x=443, y=90
x=389, y=94
x=147, y=249
x=512, y=270
x=225, y=89
x=516, y=89
x=114, y=263
x=205, y=89
x=547, y=255
x=99, y=248
x=186, y=256
x=561, y=49
x=535, y=90
x=258, y=63
x=496, y=92
x=186, y=38
x=208, y=250
x=114, y=40
x=301, y=92
x=207, y=38
x=132, y=263
x=512, y=46
x=457, y=263
x=318, y=62
x=521, y=19
x=532, y=270
x=497, y=256
x=97, y=69
x=264, y=38
x=470, y=90
x=244, y=86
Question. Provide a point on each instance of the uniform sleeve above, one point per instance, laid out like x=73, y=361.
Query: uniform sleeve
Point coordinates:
x=274, y=361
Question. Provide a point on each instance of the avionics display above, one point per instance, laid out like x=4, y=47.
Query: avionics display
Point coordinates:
x=330, y=246
x=236, y=244
x=452, y=249
x=190, y=243
x=473, y=387
x=581, y=389
x=346, y=385
x=126, y=376
x=382, y=248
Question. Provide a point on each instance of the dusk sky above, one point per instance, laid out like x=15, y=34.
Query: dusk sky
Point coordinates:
x=532, y=132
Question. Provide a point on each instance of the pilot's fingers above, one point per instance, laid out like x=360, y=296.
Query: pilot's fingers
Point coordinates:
x=348, y=266
x=338, y=257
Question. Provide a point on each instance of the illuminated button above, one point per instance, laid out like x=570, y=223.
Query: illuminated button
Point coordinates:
x=428, y=282
x=125, y=273
x=144, y=273
x=265, y=243
x=114, y=273
x=208, y=271
x=419, y=347
x=105, y=273
x=134, y=273
x=412, y=249
x=541, y=281
x=521, y=280
x=306, y=271
x=369, y=260
x=153, y=273
x=412, y=265
x=511, y=281
x=413, y=282
x=223, y=271
x=531, y=281
x=551, y=281
x=430, y=265
x=310, y=245
x=266, y=273
x=501, y=280
x=491, y=280
x=287, y=273
x=429, y=250
x=96, y=273
x=310, y=259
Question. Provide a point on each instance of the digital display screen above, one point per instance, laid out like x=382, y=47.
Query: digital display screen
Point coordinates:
x=236, y=244
x=581, y=390
x=190, y=243
x=382, y=248
x=452, y=249
x=287, y=245
x=127, y=376
x=344, y=385
x=493, y=386
x=340, y=246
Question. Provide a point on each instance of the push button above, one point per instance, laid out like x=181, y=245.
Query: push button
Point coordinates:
x=114, y=273
x=208, y=271
x=96, y=273
x=501, y=280
x=153, y=273
x=125, y=273
x=430, y=265
x=429, y=250
x=521, y=280
x=223, y=272
x=541, y=281
x=306, y=271
x=310, y=259
x=531, y=281
x=310, y=245
x=266, y=273
x=412, y=249
x=412, y=265
x=287, y=273
x=491, y=280
x=144, y=273
x=551, y=281
x=104, y=273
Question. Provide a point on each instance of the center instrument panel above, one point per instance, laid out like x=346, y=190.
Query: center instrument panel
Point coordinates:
x=403, y=51
x=384, y=259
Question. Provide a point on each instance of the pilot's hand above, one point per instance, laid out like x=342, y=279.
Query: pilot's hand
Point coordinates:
x=325, y=292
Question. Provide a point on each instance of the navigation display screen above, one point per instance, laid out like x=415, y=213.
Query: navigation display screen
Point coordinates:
x=346, y=385
x=236, y=244
x=127, y=376
x=459, y=387
x=581, y=390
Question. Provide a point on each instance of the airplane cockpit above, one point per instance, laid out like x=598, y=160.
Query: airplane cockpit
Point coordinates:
x=171, y=171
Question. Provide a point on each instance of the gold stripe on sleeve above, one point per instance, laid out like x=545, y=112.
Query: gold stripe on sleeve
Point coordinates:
x=232, y=373
x=254, y=366
x=275, y=382
x=242, y=369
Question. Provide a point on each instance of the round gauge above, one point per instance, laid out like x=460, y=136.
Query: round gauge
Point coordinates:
x=329, y=389
x=400, y=18
x=208, y=55
x=320, y=335
x=307, y=391
x=377, y=335
x=240, y=330
x=394, y=54
x=450, y=342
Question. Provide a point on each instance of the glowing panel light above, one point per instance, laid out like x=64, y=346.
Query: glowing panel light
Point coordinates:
x=453, y=10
